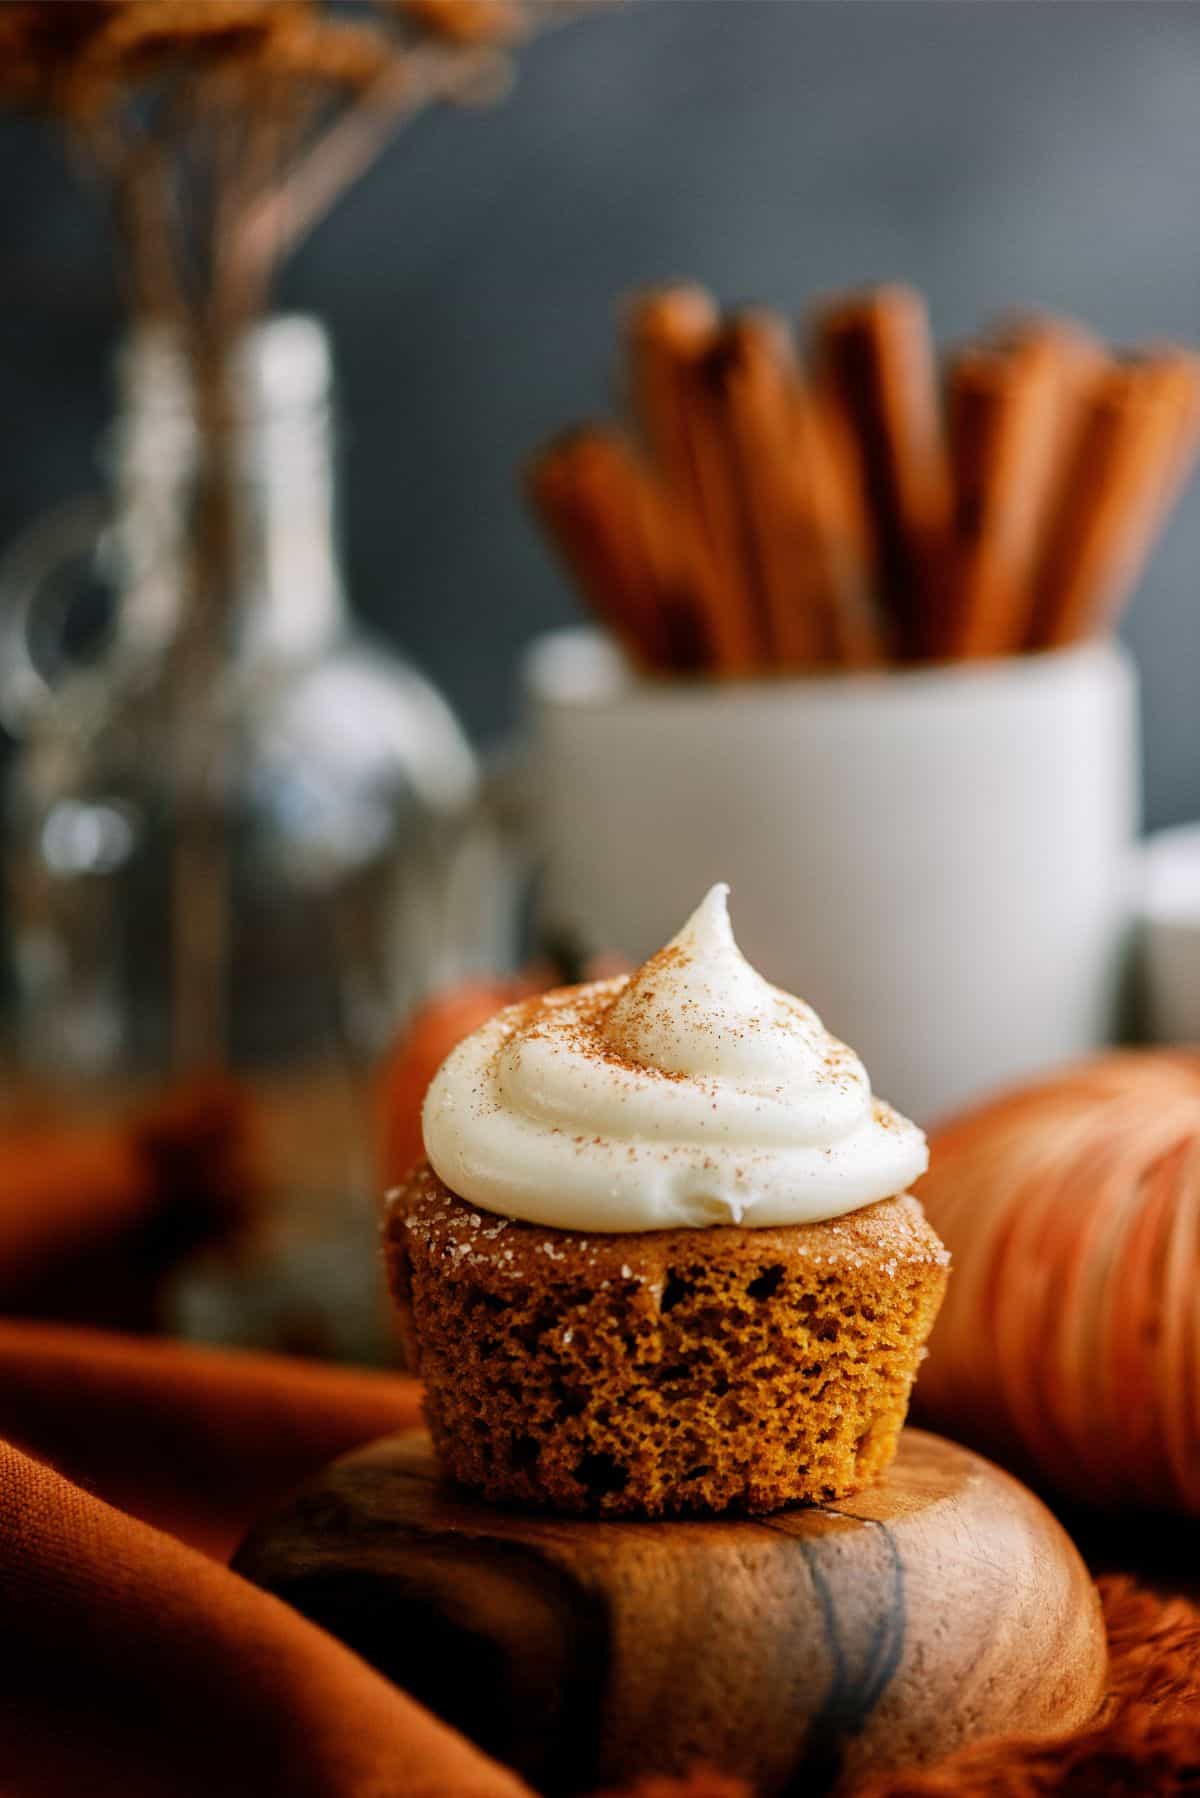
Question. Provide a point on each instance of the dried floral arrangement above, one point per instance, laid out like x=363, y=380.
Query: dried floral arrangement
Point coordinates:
x=224, y=129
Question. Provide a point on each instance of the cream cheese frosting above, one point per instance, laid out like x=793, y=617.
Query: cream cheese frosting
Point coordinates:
x=690, y=1093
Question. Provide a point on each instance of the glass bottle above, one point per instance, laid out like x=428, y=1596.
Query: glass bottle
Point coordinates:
x=261, y=867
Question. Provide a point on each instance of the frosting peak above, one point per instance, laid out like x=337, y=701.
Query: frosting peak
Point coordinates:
x=690, y=1093
x=698, y=1007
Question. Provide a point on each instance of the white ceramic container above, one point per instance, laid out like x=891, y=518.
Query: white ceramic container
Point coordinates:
x=937, y=859
x=1169, y=914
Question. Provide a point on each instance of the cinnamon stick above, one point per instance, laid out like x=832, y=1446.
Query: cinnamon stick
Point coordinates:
x=1008, y=412
x=686, y=583
x=875, y=356
x=669, y=335
x=667, y=330
x=832, y=505
x=751, y=381
x=1134, y=448
x=602, y=513
x=1189, y=424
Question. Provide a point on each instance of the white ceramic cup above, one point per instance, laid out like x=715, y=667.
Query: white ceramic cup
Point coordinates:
x=1169, y=916
x=936, y=859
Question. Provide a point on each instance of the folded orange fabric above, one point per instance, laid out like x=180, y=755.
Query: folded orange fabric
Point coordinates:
x=197, y=1441
x=136, y=1666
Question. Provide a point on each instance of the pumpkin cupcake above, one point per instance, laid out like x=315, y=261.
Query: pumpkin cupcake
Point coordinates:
x=662, y=1257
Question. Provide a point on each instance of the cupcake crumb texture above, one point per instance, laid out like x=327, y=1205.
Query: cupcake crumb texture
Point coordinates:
x=665, y=1372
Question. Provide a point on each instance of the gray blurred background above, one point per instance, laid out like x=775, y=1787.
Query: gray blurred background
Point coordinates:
x=990, y=153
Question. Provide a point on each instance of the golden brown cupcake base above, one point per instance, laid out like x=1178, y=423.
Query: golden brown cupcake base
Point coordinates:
x=672, y=1371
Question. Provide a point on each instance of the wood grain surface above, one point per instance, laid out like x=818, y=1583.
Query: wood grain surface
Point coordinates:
x=943, y=1605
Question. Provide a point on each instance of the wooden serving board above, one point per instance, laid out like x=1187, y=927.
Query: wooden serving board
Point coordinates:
x=943, y=1605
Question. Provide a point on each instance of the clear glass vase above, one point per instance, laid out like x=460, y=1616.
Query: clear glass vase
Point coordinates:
x=236, y=829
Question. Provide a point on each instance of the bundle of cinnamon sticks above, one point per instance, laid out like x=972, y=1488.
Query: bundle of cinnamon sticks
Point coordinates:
x=863, y=504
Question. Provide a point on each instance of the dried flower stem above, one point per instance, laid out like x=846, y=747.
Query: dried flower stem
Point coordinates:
x=283, y=216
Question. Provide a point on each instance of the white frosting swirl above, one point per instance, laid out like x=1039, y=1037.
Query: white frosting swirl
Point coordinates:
x=690, y=1093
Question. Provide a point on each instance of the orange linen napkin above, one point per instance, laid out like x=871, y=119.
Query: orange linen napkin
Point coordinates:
x=135, y=1665
x=199, y=1442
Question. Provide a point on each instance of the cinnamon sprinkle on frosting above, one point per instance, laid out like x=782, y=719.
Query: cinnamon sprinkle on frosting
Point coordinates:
x=692, y=1093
